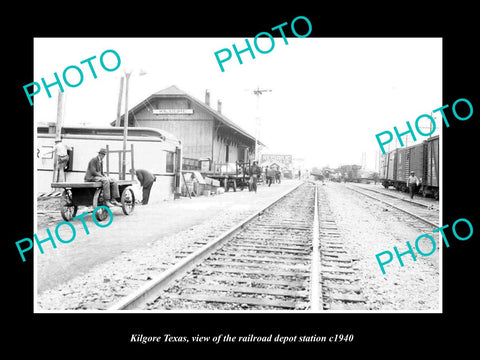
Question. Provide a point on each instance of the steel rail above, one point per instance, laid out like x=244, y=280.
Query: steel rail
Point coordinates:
x=315, y=286
x=393, y=196
x=150, y=291
x=395, y=207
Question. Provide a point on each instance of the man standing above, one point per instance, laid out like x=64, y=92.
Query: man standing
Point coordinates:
x=146, y=180
x=61, y=149
x=278, y=174
x=255, y=171
x=412, y=182
x=95, y=173
x=270, y=175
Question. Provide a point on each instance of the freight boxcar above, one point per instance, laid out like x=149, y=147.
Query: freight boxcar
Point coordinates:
x=423, y=159
x=431, y=181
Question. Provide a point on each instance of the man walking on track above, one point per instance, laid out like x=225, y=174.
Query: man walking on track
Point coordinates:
x=146, y=180
x=412, y=182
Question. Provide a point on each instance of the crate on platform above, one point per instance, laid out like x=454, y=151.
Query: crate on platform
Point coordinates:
x=212, y=188
x=198, y=188
x=211, y=181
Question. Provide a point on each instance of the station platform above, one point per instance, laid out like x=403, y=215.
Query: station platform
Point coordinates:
x=148, y=224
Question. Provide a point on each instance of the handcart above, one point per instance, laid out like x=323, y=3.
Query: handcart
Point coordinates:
x=232, y=175
x=91, y=193
x=77, y=194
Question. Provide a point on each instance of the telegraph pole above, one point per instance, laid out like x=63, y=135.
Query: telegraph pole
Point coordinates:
x=125, y=120
x=58, y=135
x=119, y=106
x=125, y=130
x=258, y=92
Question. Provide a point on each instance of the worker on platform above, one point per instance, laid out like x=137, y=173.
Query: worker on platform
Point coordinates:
x=61, y=149
x=146, y=180
x=95, y=173
x=255, y=172
x=278, y=174
x=412, y=183
x=270, y=172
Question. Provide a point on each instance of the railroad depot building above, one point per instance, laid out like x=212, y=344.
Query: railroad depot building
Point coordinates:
x=208, y=137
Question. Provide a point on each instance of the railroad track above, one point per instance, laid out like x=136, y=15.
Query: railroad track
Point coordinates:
x=427, y=216
x=272, y=261
x=395, y=195
x=341, y=281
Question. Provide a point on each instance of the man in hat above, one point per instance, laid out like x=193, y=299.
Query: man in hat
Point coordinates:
x=255, y=172
x=412, y=182
x=146, y=180
x=278, y=175
x=95, y=173
x=61, y=149
x=270, y=172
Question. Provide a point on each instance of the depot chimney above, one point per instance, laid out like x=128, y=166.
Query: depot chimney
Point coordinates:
x=207, y=97
x=219, y=106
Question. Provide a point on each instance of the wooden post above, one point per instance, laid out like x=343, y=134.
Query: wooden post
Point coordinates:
x=125, y=125
x=60, y=110
x=108, y=162
x=58, y=134
x=132, y=157
x=119, y=106
x=120, y=165
x=186, y=186
x=178, y=170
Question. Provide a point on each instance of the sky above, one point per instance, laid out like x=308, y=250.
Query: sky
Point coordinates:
x=329, y=98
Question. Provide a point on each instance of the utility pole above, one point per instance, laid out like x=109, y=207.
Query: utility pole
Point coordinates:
x=119, y=106
x=258, y=92
x=364, y=160
x=125, y=130
x=141, y=72
x=58, y=134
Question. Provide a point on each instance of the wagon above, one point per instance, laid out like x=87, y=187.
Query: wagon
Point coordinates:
x=232, y=175
x=90, y=193
x=77, y=194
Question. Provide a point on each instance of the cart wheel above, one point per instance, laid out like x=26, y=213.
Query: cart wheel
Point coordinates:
x=128, y=200
x=67, y=208
x=98, y=200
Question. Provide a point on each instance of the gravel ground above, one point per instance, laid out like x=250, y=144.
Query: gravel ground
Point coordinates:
x=244, y=264
x=95, y=272
x=370, y=228
x=367, y=227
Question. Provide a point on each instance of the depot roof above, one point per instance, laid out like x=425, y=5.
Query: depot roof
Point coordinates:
x=44, y=128
x=174, y=91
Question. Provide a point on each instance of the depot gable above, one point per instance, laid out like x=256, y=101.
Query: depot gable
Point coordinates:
x=205, y=132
